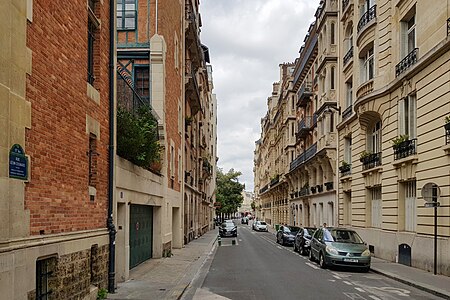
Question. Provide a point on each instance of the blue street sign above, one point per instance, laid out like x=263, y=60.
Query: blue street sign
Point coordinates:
x=18, y=163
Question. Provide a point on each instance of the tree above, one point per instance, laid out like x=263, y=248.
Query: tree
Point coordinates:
x=229, y=192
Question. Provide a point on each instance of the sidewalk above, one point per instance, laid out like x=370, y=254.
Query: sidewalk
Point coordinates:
x=167, y=278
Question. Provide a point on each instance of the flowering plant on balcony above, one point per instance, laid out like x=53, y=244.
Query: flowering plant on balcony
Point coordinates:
x=399, y=140
x=364, y=155
x=345, y=166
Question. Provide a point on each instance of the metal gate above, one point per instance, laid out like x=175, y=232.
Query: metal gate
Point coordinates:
x=141, y=234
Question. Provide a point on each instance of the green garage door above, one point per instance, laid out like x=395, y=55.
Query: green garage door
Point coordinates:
x=141, y=234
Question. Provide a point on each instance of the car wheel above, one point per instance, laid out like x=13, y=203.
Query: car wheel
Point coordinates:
x=311, y=257
x=282, y=241
x=322, y=263
x=303, y=250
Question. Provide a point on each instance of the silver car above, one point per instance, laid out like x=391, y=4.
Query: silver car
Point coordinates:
x=260, y=226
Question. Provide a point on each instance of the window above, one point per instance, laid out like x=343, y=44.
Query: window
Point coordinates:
x=348, y=150
x=376, y=206
x=368, y=66
x=333, y=75
x=347, y=208
x=332, y=122
x=44, y=271
x=92, y=158
x=410, y=205
x=375, y=138
x=408, y=30
x=349, y=94
x=93, y=25
x=142, y=82
x=407, y=116
x=332, y=34
x=126, y=14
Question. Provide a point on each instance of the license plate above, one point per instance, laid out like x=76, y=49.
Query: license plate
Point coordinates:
x=350, y=260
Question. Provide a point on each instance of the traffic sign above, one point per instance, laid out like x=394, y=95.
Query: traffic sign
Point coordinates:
x=431, y=192
x=432, y=204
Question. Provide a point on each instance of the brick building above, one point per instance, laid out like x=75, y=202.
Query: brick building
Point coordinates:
x=54, y=148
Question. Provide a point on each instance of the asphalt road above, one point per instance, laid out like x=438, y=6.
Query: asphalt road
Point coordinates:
x=256, y=267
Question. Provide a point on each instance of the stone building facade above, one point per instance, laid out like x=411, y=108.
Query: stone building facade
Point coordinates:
x=54, y=149
x=394, y=77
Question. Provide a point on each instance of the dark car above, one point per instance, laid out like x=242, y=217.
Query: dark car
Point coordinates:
x=303, y=239
x=286, y=234
x=228, y=229
x=339, y=247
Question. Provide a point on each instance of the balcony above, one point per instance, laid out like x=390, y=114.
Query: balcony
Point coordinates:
x=365, y=89
x=304, y=94
x=264, y=189
x=347, y=113
x=367, y=17
x=448, y=26
x=405, y=149
x=371, y=160
x=329, y=185
x=447, y=133
x=192, y=89
x=305, y=126
x=319, y=188
x=345, y=169
x=274, y=180
x=304, y=157
x=348, y=56
x=407, y=62
x=304, y=191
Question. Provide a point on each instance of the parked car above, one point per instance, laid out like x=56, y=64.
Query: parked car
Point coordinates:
x=339, y=247
x=286, y=234
x=227, y=229
x=260, y=226
x=303, y=239
x=244, y=220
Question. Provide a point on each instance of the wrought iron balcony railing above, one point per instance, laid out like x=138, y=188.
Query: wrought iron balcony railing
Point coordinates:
x=304, y=191
x=319, y=188
x=407, y=62
x=448, y=26
x=329, y=185
x=405, y=149
x=367, y=17
x=371, y=161
x=447, y=133
x=304, y=93
x=345, y=169
x=304, y=157
x=274, y=181
x=347, y=113
x=348, y=55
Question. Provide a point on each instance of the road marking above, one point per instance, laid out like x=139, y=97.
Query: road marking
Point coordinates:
x=332, y=280
x=360, y=289
x=240, y=240
x=312, y=266
x=354, y=296
x=374, y=297
x=337, y=277
x=347, y=282
x=279, y=247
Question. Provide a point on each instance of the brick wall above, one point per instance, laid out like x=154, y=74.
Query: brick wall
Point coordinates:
x=169, y=25
x=57, y=194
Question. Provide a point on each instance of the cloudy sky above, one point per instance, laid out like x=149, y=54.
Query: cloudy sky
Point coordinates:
x=247, y=40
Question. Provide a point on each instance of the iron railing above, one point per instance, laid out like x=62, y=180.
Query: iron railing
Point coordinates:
x=304, y=93
x=264, y=189
x=345, y=169
x=304, y=191
x=347, y=113
x=274, y=181
x=367, y=17
x=304, y=157
x=447, y=133
x=348, y=55
x=127, y=97
x=329, y=185
x=91, y=41
x=405, y=149
x=319, y=188
x=371, y=161
x=407, y=62
x=448, y=26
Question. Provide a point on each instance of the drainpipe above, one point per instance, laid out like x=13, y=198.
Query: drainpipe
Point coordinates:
x=111, y=152
x=156, y=17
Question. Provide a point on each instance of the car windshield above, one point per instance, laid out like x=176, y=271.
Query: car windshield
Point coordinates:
x=346, y=236
x=227, y=225
x=262, y=223
x=291, y=229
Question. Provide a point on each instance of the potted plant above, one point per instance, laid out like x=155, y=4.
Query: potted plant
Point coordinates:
x=345, y=166
x=447, y=123
x=364, y=156
x=397, y=142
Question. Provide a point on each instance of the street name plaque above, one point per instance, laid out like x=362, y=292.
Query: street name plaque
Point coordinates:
x=18, y=163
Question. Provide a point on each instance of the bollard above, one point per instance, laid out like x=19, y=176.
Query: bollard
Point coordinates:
x=233, y=242
x=219, y=241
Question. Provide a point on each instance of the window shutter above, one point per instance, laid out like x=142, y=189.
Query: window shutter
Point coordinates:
x=412, y=117
x=401, y=116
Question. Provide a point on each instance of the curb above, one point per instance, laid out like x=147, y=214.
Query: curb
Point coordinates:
x=423, y=287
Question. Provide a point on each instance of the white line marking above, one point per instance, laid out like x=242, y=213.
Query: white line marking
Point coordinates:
x=337, y=277
x=332, y=280
x=312, y=266
x=347, y=282
x=374, y=297
x=360, y=289
x=279, y=247
x=240, y=240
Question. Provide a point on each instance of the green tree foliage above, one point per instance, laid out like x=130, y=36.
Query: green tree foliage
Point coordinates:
x=229, y=191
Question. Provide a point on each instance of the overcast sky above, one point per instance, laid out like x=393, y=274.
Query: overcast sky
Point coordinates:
x=247, y=40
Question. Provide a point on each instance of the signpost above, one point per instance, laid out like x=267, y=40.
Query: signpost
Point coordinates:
x=431, y=193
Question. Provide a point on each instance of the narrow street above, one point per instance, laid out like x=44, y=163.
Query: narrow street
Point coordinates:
x=256, y=267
